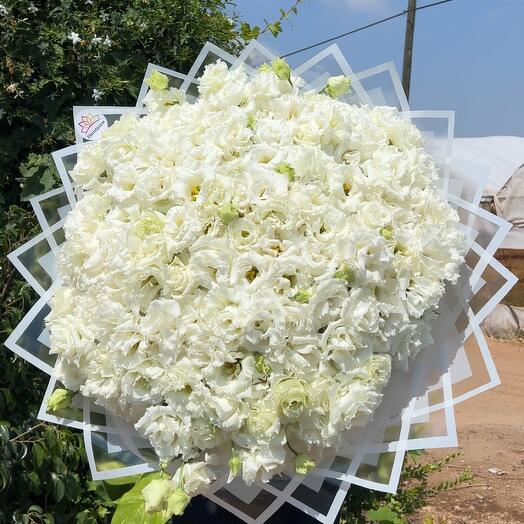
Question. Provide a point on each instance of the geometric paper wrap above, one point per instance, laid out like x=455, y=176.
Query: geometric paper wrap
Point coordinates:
x=417, y=411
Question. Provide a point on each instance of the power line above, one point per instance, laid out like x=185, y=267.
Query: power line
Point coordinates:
x=358, y=29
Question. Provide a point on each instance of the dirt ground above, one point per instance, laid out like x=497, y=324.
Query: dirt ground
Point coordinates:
x=491, y=435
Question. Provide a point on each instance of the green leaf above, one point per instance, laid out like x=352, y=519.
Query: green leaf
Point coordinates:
x=133, y=510
x=48, y=179
x=131, y=506
x=35, y=482
x=72, y=487
x=120, y=481
x=383, y=515
x=249, y=33
x=4, y=431
x=113, y=489
x=85, y=517
x=129, y=512
x=38, y=454
x=5, y=477
x=58, y=487
x=50, y=437
x=275, y=28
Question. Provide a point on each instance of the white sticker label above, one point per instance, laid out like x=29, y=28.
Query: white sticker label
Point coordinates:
x=90, y=124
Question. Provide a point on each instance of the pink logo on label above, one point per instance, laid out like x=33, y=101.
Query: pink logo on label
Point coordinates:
x=86, y=121
x=91, y=125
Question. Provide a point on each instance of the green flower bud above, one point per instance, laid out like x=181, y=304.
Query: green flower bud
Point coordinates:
x=177, y=502
x=293, y=397
x=60, y=399
x=235, y=464
x=337, y=86
x=303, y=296
x=286, y=169
x=157, y=81
x=265, y=68
x=261, y=365
x=281, y=68
x=163, y=463
x=387, y=232
x=344, y=273
x=303, y=464
x=228, y=213
x=156, y=494
x=251, y=122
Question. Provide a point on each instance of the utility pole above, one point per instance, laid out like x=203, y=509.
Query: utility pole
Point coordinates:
x=408, y=46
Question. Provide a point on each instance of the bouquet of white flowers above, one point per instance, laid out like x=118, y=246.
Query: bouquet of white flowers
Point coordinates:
x=254, y=283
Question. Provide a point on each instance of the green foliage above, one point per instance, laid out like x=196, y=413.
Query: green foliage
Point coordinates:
x=131, y=506
x=16, y=227
x=363, y=505
x=249, y=32
x=43, y=73
x=384, y=515
x=43, y=468
x=39, y=175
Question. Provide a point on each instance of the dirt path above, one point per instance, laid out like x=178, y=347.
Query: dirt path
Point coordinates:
x=491, y=435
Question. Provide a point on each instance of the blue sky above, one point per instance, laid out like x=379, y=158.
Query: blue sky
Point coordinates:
x=469, y=54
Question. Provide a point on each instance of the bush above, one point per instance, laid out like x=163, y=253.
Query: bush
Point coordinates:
x=363, y=505
x=46, y=69
x=44, y=476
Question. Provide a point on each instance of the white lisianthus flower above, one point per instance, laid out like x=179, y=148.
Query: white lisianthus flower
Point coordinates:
x=156, y=495
x=243, y=272
x=163, y=99
x=167, y=432
x=214, y=79
x=194, y=478
x=263, y=461
x=292, y=397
